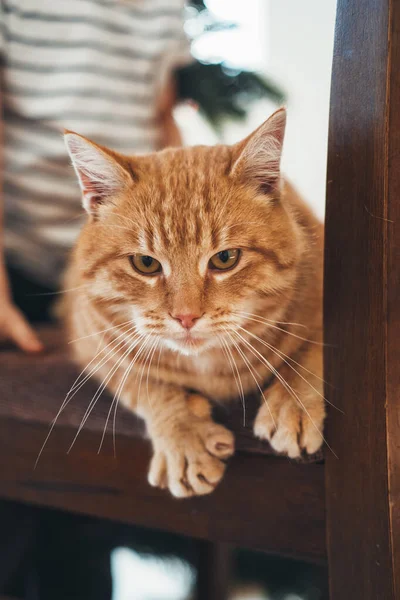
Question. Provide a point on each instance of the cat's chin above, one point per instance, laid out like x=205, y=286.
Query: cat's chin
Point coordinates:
x=189, y=346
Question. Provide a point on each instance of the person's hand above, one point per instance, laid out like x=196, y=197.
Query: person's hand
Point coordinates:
x=15, y=328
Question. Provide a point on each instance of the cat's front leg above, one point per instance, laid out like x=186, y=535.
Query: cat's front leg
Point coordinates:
x=189, y=447
x=292, y=413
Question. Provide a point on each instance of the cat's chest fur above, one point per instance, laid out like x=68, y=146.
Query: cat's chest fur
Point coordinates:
x=213, y=374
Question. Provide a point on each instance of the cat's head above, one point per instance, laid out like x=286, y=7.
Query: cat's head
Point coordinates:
x=185, y=241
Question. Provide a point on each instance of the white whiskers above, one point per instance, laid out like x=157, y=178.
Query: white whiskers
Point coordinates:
x=252, y=370
x=77, y=385
x=118, y=394
x=102, y=387
x=281, y=355
x=282, y=381
x=236, y=374
x=127, y=338
x=73, y=289
x=154, y=348
x=84, y=337
x=268, y=323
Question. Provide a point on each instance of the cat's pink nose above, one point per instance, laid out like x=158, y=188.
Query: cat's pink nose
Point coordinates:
x=187, y=320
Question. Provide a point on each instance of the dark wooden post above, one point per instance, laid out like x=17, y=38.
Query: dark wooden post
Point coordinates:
x=362, y=303
x=214, y=571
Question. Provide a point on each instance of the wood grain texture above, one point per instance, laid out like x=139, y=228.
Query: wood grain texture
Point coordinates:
x=263, y=502
x=362, y=309
x=393, y=291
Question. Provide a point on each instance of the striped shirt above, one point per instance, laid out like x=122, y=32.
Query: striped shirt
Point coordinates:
x=92, y=66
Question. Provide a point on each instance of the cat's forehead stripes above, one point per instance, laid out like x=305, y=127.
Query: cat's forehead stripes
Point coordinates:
x=184, y=202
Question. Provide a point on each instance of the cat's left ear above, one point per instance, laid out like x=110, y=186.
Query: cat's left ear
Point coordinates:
x=257, y=159
x=100, y=172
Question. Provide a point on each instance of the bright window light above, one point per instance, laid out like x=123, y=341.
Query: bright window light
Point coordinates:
x=244, y=46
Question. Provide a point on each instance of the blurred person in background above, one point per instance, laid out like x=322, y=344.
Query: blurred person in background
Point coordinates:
x=103, y=68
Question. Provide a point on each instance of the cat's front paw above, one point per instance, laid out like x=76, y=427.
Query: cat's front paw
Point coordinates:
x=189, y=460
x=287, y=426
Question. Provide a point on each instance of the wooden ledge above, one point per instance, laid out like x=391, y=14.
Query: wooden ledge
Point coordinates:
x=32, y=389
x=264, y=502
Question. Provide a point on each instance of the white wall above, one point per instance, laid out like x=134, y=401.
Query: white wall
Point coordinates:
x=300, y=56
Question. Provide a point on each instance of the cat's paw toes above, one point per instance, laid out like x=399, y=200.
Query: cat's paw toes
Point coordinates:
x=191, y=464
x=289, y=429
x=311, y=440
x=186, y=474
x=158, y=471
x=219, y=441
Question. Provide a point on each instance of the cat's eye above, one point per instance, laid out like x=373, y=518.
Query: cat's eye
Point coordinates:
x=224, y=260
x=147, y=265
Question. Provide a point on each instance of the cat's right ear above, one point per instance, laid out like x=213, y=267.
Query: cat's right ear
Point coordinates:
x=101, y=176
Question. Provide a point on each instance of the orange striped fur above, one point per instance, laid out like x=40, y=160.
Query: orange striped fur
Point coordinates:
x=259, y=325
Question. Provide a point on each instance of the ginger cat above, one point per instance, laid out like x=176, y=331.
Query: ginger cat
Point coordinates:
x=202, y=269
